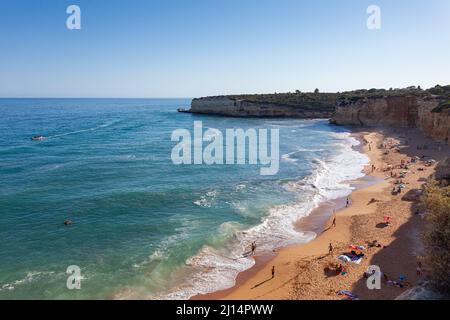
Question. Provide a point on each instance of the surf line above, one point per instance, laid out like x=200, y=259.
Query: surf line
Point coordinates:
x=235, y=150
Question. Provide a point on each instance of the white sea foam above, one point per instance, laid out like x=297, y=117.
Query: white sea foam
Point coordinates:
x=291, y=155
x=217, y=269
x=29, y=278
x=157, y=255
x=206, y=200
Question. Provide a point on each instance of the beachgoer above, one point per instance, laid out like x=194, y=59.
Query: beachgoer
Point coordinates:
x=344, y=271
x=273, y=272
x=375, y=244
x=419, y=269
x=67, y=222
x=330, y=248
x=348, y=203
x=339, y=269
x=253, y=247
x=334, y=221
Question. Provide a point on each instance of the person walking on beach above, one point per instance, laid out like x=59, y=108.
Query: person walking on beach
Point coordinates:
x=348, y=203
x=253, y=247
x=330, y=249
x=334, y=220
x=273, y=272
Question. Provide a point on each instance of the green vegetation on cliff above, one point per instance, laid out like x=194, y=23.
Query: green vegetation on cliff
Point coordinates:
x=444, y=93
x=437, y=239
x=445, y=105
x=328, y=101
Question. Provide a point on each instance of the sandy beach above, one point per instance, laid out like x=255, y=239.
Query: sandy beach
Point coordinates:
x=308, y=271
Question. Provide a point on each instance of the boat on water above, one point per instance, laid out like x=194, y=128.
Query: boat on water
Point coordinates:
x=38, y=138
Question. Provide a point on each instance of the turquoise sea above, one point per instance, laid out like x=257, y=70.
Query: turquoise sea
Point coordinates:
x=143, y=227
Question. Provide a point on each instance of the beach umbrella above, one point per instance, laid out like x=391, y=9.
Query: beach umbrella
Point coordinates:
x=344, y=258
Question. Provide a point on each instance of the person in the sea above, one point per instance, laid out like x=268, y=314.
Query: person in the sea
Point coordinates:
x=253, y=247
x=67, y=222
x=273, y=272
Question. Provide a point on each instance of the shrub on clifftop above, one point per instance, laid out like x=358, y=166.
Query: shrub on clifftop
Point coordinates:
x=437, y=239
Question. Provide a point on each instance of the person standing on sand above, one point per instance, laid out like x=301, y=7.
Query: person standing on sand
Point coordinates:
x=273, y=272
x=330, y=249
x=253, y=247
x=348, y=203
x=419, y=269
x=334, y=221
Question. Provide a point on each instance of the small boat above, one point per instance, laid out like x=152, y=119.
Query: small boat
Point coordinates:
x=38, y=138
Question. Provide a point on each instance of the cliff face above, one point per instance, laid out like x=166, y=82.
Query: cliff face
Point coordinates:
x=443, y=171
x=228, y=106
x=428, y=110
x=406, y=111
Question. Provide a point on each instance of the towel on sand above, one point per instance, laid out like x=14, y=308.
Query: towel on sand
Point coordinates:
x=348, y=294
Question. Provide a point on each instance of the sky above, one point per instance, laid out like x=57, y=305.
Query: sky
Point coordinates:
x=192, y=48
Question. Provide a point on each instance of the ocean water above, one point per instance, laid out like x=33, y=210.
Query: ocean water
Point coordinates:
x=143, y=227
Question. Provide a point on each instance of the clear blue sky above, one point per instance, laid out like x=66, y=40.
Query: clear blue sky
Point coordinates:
x=189, y=48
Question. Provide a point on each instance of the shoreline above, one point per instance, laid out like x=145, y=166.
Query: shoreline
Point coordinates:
x=255, y=283
x=316, y=222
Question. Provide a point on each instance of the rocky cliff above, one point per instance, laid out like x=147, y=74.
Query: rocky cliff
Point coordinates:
x=236, y=107
x=443, y=171
x=423, y=112
x=428, y=110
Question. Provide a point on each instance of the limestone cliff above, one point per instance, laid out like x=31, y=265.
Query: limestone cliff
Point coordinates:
x=235, y=107
x=443, y=171
x=402, y=111
x=428, y=110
